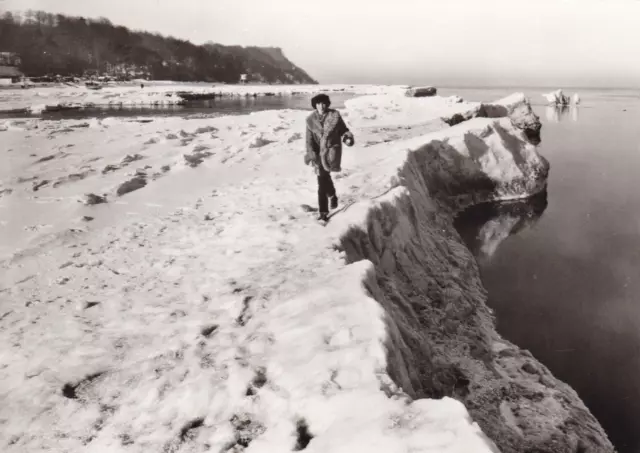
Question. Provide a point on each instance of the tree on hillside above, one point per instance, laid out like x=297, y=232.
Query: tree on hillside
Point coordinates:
x=51, y=44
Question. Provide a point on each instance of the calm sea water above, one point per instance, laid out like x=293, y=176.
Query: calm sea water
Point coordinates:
x=565, y=280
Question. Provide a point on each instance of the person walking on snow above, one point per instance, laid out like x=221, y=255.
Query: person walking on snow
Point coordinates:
x=326, y=131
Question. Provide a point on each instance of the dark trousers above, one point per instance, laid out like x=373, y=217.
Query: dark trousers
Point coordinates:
x=325, y=189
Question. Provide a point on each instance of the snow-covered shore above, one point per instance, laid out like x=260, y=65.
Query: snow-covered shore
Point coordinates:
x=206, y=311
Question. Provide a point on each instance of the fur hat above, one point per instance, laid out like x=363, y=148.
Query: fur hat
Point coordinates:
x=320, y=98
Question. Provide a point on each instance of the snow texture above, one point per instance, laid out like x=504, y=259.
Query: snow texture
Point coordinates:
x=206, y=311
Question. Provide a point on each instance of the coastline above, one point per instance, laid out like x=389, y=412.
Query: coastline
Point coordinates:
x=382, y=346
x=156, y=93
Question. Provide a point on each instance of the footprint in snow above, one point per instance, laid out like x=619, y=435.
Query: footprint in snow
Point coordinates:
x=259, y=142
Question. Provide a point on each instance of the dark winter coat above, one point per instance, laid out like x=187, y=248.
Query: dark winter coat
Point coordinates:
x=325, y=134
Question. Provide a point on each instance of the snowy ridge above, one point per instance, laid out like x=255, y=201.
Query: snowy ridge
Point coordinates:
x=441, y=335
x=226, y=319
x=391, y=109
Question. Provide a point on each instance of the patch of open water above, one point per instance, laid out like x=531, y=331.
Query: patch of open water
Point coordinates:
x=198, y=109
x=563, y=274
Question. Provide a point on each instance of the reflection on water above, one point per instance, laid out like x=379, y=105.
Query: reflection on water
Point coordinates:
x=485, y=226
x=567, y=289
x=557, y=113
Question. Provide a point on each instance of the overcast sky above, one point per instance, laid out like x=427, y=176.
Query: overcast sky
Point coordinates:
x=490, y=42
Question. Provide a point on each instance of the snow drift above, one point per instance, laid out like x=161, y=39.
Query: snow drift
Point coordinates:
x=393, y=111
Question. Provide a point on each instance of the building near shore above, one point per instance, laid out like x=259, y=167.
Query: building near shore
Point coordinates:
x=10, y=59
x=9, y=72
x=10, y=75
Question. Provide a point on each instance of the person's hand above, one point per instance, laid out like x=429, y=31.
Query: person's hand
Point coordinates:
x=348, y=140
x=309, y=159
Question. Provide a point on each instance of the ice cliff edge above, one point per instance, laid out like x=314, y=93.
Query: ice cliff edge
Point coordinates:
x=441, y=338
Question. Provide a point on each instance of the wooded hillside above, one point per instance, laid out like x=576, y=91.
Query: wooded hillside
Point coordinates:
x=51, y=44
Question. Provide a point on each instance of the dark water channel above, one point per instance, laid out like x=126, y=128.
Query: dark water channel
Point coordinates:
x=239, y=105
x=563, y=270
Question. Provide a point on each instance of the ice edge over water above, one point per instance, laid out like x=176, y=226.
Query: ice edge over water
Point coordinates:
x=389, y=348
x=440, y=337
